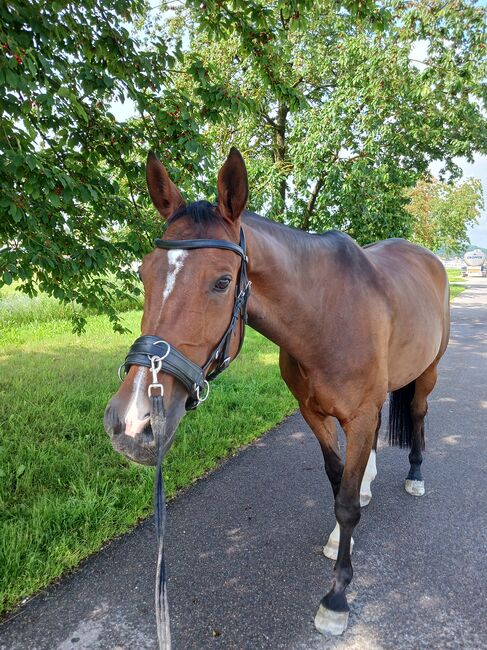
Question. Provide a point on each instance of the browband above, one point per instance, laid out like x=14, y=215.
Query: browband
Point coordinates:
x=203, y=243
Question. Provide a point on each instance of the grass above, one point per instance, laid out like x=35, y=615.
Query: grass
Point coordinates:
x=16, y=308
x=63, y=490
x=457, y=283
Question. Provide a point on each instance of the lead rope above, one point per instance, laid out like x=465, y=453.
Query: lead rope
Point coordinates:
x=158, y=424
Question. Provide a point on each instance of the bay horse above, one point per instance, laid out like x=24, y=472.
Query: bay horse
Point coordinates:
x=353, y=324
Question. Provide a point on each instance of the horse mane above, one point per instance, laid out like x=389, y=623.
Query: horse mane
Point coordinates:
x=200, y=213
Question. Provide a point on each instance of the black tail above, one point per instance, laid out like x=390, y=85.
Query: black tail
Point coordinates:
x=400, y=422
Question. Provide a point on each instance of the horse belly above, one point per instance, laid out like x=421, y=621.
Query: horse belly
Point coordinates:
x=414, y=348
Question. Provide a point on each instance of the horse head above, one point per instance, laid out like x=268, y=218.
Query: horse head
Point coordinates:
x=191, y=295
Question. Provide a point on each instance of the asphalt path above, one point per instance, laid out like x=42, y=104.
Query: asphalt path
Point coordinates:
x=244, y=544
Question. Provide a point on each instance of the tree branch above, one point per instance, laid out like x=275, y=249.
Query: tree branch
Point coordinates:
x=270, y=121
x=312, y=202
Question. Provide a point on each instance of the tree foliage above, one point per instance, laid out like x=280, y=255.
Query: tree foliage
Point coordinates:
x=441, y=213
x=72, y=196
x=333, y=113
x=333, y=117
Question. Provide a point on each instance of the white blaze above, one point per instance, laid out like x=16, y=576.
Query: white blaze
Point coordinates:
x=176, y=259
x=133, y=424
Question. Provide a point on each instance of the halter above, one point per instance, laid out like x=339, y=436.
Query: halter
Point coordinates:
x=160, y=356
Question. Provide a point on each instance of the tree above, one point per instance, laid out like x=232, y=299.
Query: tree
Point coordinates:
x=73, y=207
x=441, y=213
x=72, y=196
x=332, y=116
x=332, y=113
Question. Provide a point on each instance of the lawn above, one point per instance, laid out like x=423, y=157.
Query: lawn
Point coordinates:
x=457, y=283
x=63, y=490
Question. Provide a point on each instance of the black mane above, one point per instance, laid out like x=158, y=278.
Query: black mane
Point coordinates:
x=200, y=212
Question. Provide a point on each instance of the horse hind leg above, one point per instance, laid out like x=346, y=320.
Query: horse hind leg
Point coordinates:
x=370, y=472
x=425, y=383
x=407, y=410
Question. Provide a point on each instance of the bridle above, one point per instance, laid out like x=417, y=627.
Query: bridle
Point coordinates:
x=168, y=359
x=157, y=354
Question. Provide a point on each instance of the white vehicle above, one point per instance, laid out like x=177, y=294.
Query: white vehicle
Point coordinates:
x=476, y=266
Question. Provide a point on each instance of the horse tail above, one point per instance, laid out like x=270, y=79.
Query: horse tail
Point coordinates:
x=400, y=422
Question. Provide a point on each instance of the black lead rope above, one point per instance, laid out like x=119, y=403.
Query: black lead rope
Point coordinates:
x=158, y=424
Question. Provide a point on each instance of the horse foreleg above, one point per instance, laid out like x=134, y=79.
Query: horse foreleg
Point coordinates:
x=423, y=386
x=332, y=615
x=330, y=550
x=324, y=428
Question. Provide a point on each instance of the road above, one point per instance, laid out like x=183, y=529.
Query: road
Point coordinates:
x=244, y=544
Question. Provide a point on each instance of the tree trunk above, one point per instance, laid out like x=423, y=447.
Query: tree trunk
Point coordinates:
x=280, y=152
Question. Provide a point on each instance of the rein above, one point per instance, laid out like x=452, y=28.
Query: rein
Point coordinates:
x=158, y=355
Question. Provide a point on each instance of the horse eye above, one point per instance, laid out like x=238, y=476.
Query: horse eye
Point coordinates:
x=222, y=284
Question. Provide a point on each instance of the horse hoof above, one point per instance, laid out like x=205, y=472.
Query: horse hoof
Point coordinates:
x=330, y=622
x=416, y=488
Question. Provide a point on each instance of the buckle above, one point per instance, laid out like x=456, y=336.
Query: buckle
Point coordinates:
x=225, y=363
x=197, y=390
x=155, y=368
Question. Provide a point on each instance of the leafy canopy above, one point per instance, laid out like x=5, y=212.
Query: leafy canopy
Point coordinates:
x=441, y=213
x=333, y=117
x=332, y=112
x=72, y=197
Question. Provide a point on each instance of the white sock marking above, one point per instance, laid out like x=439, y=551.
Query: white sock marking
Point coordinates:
x=369, y=475
x=330, y=550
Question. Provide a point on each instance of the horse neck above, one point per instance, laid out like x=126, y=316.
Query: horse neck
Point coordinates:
x=282, y=301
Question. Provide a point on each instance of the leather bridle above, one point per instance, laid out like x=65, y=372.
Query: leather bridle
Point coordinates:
x=174, y=362
x=152, y=352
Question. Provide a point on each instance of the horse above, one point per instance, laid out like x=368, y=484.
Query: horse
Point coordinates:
x=353, y=324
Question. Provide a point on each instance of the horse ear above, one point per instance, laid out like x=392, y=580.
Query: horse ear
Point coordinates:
x=233, y=187
x=164, y=194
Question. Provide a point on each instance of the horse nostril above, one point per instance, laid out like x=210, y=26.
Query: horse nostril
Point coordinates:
x=112, y=423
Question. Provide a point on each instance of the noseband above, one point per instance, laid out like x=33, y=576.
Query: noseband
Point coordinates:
x=160, y=356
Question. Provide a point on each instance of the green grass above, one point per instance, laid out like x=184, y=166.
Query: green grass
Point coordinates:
x=16, y=308
x=457, y=283
x=63, y=490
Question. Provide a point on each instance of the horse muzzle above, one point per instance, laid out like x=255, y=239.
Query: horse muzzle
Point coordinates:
x=136, y=440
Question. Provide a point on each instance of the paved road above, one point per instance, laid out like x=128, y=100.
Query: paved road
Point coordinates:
x=246, y=571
